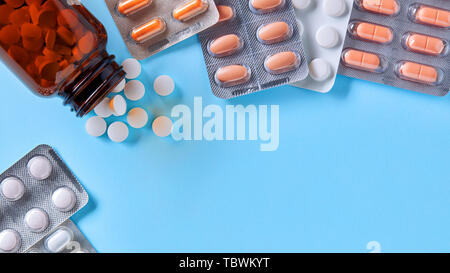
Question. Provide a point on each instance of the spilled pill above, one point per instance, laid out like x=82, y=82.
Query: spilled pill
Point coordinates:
x=137, y=118
x=164, y=85
x=385, y=7
x=59, y=240
x=361, y=60
x=128, y=7
x=64, y=199
x=119, y=87
x=96, y=126
x=9, y=241
x=372, y=32
x=146, y=31
x=134, y=90
x=226, y=13
x=274, y=32
x=433, y=16
x=118, y=105
x=282, y=62
x=425, y=44
x=102, y=109
x=232, y=75
x=162, y=126
x=418, y=72
x=225, y=45
x=132, y=68
x=190, y=9
x=36, y=220
x=12, y=188
x=39, y=167
x=265, y=6
x=118, y=131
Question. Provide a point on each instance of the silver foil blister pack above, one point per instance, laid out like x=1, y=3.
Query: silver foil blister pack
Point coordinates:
x=38, y=194
x=260, y=58
x=150, y=26
x=402, y=43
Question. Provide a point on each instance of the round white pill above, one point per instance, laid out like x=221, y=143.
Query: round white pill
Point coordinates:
x=319, y=69
x=58, y=240
x=334, y=8
x=102, y=109
x=134, y=90
x=39, y=167
x=12, y=188
x=119, y=105
x=119, y=87
x=96, y=126
x=301, y=4
x=9, y=240
x=118, y=131
x=162, y=126
x=132, y=68
x=137, y=117
x=64, y=199
x=327, y=37
x=164, y=85
x=36, y=220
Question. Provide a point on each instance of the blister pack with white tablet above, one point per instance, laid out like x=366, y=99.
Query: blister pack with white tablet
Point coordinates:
x=255, y=46
x=66, y=238
x=37, y=194
x=323, y=24
x=402, y=43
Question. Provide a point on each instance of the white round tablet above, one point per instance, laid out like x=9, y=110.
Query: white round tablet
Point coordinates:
x=119, y=87
x=134, y=90
x=39, y=167
x=137, y=117
x=119, y=105
x=327, y=37
x=9, y=240
x=96, y=126
x=118, y=131
x=319, y=69
x=58, y=240
x=102, y=109
x=132, y=68
x=12, y=188
x=334, y=8
x=162, y=126
x=301, y=4
x=164, y=85
x=64, y=199
x=36, y=220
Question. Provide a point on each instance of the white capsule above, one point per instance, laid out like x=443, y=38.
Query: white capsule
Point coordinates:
x=134, y=90
x=119, y=105
x=59, y=240
x=119, y=88
x=164, y=85
x=301, y=4
x=132, y=68
x=102, y=109
x=162, y=126
x=39, y=167
x=327, y=37
x=334, y=8
x=64, y=199
x=319, y=69
x=137, y=117
x=12, y=188
x=118, y=132
x=36, y=220
x=95, y=126
x=9, y=241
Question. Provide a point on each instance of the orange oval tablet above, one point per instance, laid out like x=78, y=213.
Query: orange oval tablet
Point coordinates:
x=33, y=44
x=68, y=18
x=190, y=9
x=148, y=30
x=66, y=35
x=232, y=75
x=19, y=54
x=48, y=70
x=274, y=32
x=20, y=16
x=372, y=32
x=5, y=11
x=15, y=3
x=433, y=16
x=418, y=72
x=425, y=44
x=361, y=60
x=30, y=31
x=128, y=7
x=225, y=45
x=50, y=38
x=87, y=43
x=10, y=34
x=46, y=18
x=265, y=6
x=226, y=13
x=282, y=62
x=385, y=7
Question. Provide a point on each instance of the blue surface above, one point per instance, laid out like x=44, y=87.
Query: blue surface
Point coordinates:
x=363, y=163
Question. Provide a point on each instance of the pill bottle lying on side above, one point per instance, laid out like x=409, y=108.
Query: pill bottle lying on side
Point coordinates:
x=58, y=48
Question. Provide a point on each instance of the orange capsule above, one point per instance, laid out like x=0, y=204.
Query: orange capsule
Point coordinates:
x=148, y=30
x=190, y=9
x=362, y=60
x=232, y=75
x=432, y=16
x=425, y=44
x=385, y=7
x=418, y=72
x=282, y=62
x=226, y=13
x=371, y=32
x=128, y=7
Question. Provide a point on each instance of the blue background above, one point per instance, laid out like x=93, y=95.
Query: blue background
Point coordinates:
x=365, y=162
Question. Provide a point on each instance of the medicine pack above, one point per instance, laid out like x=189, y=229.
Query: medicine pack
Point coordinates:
x=38, y=194
x=150, y=26
x=323, y=27
x=66, y=238
x=256, y=45
x=403, y=43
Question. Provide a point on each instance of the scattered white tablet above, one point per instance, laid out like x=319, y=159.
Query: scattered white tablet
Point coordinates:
x=96, y=126
x=134, y=90
x=164, y=85
x=102, y=109
x=132, y=68
x=137, y=117
x=119, y=105
x=118, y=131
x=162, y=126
x=119, y=88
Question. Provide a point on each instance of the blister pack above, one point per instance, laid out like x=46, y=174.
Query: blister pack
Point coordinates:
x=38, y=194
x=400, y=43
x=150, y=26
x=323, y=27
x=255, y=45
x=66, y=238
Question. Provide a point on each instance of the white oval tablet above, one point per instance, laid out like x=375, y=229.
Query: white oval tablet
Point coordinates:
x=334, y=8
x=134, y=90
x=36, y=220
x=96, y=126
x=319, y=69
x=58, y=240
x=39, y=167
x=12, y=188
x=9, y=240
x=162, y=126
x=102, y=109
x=164, y=85
x=119, y=87
x=118, y=131
x=301, y=4
x=64, y=199
x=137, y=117
x=119, y=105
x=132, y=68
x=327, y=37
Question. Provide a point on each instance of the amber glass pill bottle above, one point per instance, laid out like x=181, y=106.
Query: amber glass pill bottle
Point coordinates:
x=58, y=48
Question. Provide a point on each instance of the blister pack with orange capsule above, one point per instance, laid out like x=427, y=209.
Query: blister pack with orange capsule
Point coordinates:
x=402, y=43
x=256, y=45
x=150, y=26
